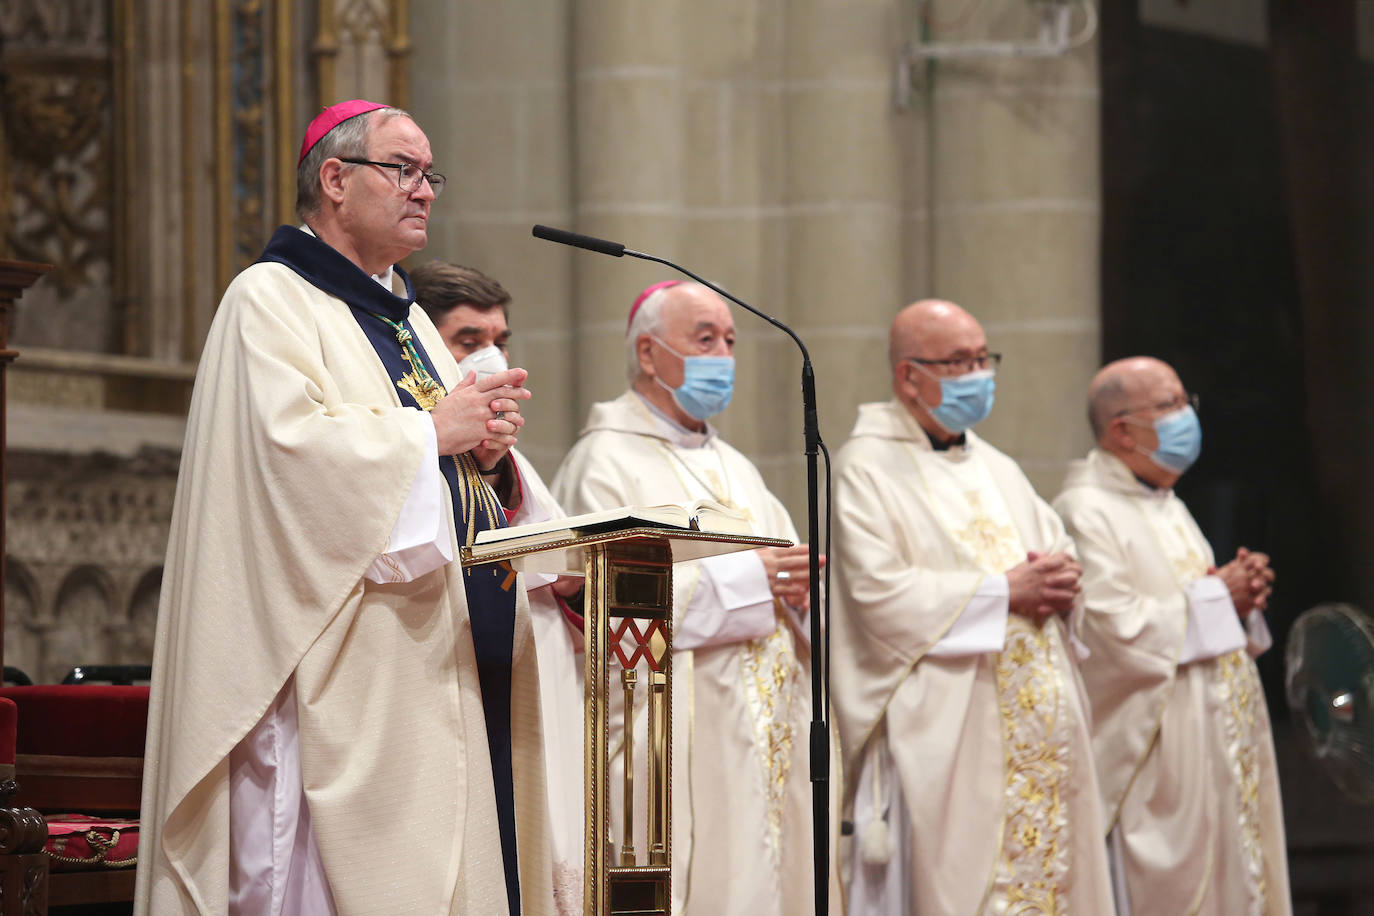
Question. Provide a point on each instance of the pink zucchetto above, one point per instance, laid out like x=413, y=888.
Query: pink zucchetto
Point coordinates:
x=331, y=118
x=648, y=291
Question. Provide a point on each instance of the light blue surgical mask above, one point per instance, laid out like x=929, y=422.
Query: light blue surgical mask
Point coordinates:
x=707, y=383
x=1180, y=440
x=965, y=400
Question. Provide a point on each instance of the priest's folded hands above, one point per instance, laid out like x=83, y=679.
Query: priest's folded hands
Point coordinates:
x=481, y=416
x=1248, y=578
x=789, y=573
x=1043, y=585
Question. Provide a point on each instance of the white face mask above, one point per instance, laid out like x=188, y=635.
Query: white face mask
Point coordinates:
x=487, y=361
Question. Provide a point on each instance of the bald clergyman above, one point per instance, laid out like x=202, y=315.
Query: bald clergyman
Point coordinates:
x=1184, y=752
x=968, y=764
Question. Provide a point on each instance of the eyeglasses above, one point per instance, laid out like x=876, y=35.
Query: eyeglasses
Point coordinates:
x=962, y=364
x=408, y=176
x=1178, y=403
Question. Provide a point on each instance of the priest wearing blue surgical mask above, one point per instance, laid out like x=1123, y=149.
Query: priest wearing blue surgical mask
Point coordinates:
x=968, y=764
x=1184, y=753
x=741, y=828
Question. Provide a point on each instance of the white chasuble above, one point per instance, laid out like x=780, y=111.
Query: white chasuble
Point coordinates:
x=741, y=818
x=558, y=643
x=1180, y=727
x=298, y=459
x=987, y=749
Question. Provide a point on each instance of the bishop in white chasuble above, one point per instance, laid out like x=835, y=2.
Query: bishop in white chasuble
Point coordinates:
x=1180, y=728
x=415, y=723
x=741, y=816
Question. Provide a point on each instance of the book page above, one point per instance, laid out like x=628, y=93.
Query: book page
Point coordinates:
x=666, y=516
x=709, y=515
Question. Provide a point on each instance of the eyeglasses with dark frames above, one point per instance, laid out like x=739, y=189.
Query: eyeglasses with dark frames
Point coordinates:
x=962, y=364
x=408, y=175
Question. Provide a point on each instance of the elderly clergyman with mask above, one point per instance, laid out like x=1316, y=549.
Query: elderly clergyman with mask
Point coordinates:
x=741, y=826
x=1184, y=753
x=968, y=763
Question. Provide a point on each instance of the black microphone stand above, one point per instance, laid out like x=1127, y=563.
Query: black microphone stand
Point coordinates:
x=820, y=730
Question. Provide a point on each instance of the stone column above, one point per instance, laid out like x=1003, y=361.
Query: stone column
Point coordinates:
x=630, y=148
x=850, y=239
x=15, y=277
x=1015, y=219
x=489, y=85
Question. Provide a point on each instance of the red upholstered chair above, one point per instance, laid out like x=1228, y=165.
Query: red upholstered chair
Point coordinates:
x=23, y=865
x=79, y=760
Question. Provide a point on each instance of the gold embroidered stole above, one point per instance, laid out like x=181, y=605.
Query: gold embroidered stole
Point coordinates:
x=1235, y=682
x=1031, y=872
x=771, y=676
x=474, y=495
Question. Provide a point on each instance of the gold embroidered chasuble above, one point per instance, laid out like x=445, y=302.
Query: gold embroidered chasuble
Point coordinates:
x=991, y=751
x=741, y=814
x=1185, y=755
x=297, y=461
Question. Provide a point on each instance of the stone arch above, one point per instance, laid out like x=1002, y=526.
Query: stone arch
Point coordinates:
x=137, y=635
x=23, y=645
x=80, y=631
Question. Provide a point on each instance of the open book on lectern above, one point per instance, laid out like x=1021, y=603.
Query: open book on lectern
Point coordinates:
x=703, y=517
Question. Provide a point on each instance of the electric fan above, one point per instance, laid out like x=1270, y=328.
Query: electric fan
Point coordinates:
x=1330, y=683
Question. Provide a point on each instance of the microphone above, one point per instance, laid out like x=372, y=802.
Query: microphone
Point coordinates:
x=820, y=673
x=577, y=240
x=617, y=250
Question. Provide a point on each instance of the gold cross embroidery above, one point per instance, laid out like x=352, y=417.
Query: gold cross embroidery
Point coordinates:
x=989, y=541
x=417, y=383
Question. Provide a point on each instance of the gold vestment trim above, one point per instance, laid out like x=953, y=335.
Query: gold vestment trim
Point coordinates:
x=1033, y=863
x=1240, y=692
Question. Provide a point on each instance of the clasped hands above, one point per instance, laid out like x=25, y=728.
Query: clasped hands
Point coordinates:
x=1043, y=585
x=1249, y=580
x=481, y=417
x=789, y=573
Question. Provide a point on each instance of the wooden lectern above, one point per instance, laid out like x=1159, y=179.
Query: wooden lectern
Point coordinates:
x=628, y=605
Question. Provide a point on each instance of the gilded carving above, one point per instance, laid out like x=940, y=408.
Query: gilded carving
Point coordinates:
x=57, y=127
x=250, y=143
x=363, y=21
x=45, y=24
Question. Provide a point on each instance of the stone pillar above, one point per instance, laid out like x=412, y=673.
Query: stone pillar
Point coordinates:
x=15, y=277
x=849, y=236
x=489, y=86
x=630, y=149
x=1015, y=220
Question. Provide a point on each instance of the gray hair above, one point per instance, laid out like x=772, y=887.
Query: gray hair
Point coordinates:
x=348, y=140
x=1105, y=400
x=648, y=320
